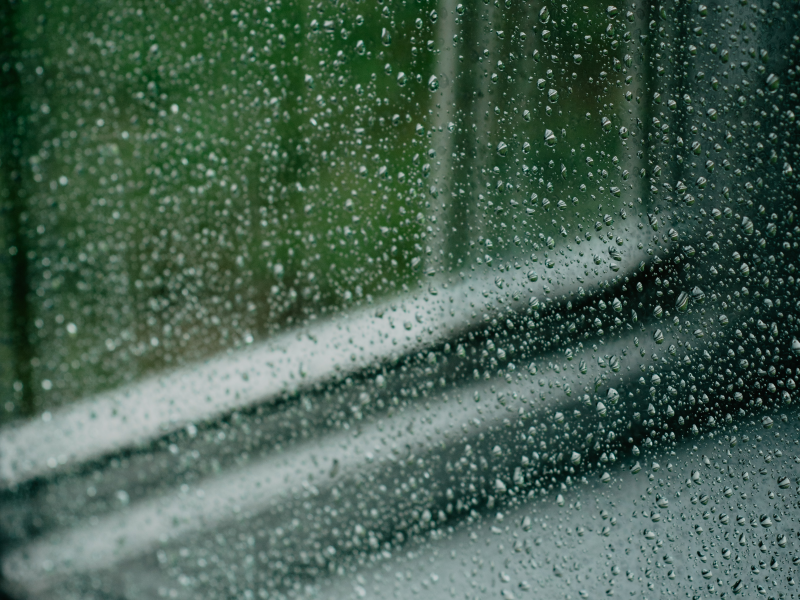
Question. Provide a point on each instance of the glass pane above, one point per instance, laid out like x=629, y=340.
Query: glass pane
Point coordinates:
x=198, y=177
x=349, y=299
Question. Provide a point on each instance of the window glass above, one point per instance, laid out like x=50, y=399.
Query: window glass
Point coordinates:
x=198, y=178
x=351, y=299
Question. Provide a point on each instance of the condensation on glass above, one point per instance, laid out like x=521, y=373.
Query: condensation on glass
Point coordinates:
x=389, y=299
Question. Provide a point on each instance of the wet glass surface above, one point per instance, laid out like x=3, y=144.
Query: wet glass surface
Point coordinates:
x=396, y=299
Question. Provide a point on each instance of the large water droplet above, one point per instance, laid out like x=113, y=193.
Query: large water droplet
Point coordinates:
x=773, y=82
x=544, y=15
x=682, y=303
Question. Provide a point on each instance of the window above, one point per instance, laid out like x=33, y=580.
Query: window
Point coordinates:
x=350, y=299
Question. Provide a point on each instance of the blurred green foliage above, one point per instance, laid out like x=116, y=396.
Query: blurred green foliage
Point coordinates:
x=199, y=176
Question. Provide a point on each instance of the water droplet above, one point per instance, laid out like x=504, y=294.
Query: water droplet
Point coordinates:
x=386, y=37
x=606, y=124
x=433, y=83
x=682, y=303
x=658, y=337
x=773, y=82
x=549, y=137
x=401, y=79
x=544, y=15
x=502, y=149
